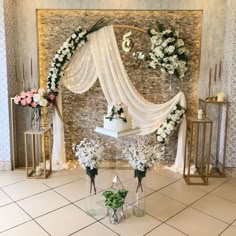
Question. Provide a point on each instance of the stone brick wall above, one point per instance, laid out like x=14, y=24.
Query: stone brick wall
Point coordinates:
x=82, y=113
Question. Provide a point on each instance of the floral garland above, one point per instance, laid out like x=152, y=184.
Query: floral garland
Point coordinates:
x=64, y=54
x=66, y=51
x=168, y=51
x=117, y=112
x=171, y=124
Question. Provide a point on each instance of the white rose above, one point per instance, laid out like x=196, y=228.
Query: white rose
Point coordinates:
x=41, y=91
x=168, y=132
x=152, y=64
x=164, y=44
x=36, y=98
x=159, y=138
x=170, y=127
x=179, y=43
x=165, y=124
x=174, y=108
x=43, y=102
x=174, y=117
x=163, y=135
x=163, y=71
x=171, y=49
x=159, y=131
x=73, y=36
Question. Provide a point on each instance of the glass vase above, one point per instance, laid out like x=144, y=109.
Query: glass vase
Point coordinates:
x=139, y=194
x=92, y=206
x=115, y=215
x=35, y=119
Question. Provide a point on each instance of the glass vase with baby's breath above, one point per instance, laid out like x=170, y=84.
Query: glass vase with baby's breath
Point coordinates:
x=89, y=154
x=141, y=156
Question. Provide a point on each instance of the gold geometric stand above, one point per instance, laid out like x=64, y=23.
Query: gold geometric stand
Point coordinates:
x=38, y=153
x=218, y=169
x=197, y=151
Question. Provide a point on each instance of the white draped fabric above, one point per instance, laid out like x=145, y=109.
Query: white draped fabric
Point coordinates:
x=100, y=58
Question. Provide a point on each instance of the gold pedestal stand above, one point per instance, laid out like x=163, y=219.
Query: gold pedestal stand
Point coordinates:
x=37, y=155
x=219, y=157
x=197, y=151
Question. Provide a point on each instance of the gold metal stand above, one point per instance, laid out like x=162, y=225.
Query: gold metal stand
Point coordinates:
x=218, y=169
x=36, y=161
x=198, y=149
x=12, y=127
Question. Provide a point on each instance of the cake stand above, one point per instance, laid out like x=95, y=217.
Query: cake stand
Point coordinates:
x=117, y=134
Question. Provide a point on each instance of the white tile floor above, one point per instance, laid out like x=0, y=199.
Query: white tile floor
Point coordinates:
x=56, y=206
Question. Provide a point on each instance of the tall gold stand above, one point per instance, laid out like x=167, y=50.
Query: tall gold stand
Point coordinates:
x=218, y=169
x=197, y=152
x=38, y=161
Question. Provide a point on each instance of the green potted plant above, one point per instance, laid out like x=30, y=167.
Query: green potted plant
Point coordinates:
x=115, y=200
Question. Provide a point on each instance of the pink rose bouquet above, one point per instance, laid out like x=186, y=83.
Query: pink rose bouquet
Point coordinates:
x=35, y=98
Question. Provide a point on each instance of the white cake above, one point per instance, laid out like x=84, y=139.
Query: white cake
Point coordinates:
x=117, y=118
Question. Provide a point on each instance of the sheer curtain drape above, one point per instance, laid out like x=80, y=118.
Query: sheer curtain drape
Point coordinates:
x=100, y=58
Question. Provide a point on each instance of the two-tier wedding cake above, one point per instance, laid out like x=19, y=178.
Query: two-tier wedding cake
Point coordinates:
x=117, y=118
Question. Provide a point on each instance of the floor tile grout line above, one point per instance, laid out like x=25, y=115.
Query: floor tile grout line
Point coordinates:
x=62, y=184
x=224, y=230
x=82, y=228
x=189, y=206
x=13, y=183
x=26, y=213
x=37, y=217
x=162, y=223
x=15, y=226
x=107, y=226
x=205, y=193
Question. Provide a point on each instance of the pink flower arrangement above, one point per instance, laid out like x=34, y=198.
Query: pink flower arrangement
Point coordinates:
x=35, y=98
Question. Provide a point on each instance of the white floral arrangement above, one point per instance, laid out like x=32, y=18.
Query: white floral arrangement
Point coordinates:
x=117, y=112
x=171, y=124
x=77, y=39
x=64, y=54
x=89, y=153
x=168, y=51
x=142, y=156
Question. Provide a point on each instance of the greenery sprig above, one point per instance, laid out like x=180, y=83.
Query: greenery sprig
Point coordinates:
x=115, y=199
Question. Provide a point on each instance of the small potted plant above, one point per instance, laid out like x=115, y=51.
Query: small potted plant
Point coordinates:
x=114, y=201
